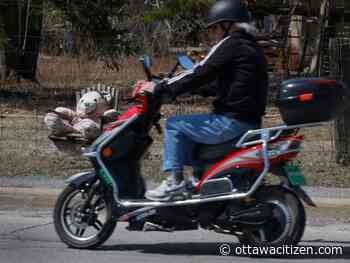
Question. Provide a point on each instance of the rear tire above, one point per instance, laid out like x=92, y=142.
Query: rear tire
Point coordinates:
x=300, y=233
x=71, y=223
x=287, y=225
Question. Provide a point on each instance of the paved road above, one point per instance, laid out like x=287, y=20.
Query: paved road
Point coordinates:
x=27, y=236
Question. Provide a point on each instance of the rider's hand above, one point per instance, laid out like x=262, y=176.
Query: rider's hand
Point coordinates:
x=142, y=85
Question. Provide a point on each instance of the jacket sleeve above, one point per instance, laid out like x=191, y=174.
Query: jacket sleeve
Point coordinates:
x=205, y=72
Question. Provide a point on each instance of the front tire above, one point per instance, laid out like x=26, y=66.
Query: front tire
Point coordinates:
x=287, y=224
x=79, y=228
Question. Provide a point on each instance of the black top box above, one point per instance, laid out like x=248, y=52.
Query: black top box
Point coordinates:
x=311, y=100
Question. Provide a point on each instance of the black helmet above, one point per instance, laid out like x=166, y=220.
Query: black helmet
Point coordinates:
x=228, y=11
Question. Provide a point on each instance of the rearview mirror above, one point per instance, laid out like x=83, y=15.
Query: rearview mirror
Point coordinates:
x=146, y=61
x=185, y=62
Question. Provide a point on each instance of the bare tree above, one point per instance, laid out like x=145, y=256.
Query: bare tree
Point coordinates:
x=340, y=65
x=22, y=26
x=2, y=51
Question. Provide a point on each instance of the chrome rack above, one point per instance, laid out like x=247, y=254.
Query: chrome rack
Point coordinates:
x=246, y=138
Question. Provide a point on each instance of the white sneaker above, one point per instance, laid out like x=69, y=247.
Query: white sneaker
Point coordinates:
x=167, y=191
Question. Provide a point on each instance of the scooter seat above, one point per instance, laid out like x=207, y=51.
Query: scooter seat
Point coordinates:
x=207, y=152
x=212, y=153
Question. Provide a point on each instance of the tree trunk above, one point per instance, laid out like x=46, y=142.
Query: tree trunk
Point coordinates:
x=32, y=44
x=2, y=64
x=2, y=51
x=10, y=18
x=340, y=66
x=23, y=32
x=342, y=138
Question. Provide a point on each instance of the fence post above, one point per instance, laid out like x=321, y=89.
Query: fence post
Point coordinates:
x=340, y=66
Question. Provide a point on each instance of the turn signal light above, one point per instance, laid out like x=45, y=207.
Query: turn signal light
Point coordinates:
x=306, y=97
x=107, y=152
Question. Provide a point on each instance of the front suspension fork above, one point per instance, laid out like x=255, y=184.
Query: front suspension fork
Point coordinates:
x=90, y=196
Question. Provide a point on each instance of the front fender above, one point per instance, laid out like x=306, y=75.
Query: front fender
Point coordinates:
x=80, y=179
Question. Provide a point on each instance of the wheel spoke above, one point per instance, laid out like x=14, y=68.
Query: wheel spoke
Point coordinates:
x=68, y=211
x=100, y=207
x=98, y=225
x=80, y=232
x=83, y=195
x=99, y=204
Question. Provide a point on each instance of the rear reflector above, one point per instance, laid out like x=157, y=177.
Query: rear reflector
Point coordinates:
x=306, y=97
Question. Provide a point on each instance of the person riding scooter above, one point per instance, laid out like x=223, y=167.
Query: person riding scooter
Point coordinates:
x=238, y=65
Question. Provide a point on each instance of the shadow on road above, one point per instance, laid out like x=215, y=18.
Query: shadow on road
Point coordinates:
x=212, y=249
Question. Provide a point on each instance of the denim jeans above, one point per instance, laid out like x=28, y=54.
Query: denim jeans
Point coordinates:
x=182, y=132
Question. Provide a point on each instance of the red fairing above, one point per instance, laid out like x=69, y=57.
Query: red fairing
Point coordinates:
x=139, y=109
x=135, y=110
x=224, y=164
x=252, y=158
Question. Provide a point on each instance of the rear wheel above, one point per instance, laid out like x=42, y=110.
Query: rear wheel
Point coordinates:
x=79, y=226
x=287, y=224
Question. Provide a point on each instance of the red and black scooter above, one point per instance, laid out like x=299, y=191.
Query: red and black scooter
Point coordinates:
x=230, y=196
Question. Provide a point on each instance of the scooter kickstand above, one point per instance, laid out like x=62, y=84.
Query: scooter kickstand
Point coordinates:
x=148, y=227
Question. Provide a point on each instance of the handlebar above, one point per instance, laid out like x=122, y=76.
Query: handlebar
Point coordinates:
x=150, y=76
x=146, y=69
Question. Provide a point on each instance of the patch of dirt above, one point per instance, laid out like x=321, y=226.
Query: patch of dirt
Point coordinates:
x=321, y=216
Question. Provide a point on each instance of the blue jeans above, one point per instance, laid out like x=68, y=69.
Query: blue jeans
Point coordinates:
x=182, y=132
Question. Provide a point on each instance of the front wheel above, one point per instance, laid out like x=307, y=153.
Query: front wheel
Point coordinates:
x=81, y=224
x=287, y=224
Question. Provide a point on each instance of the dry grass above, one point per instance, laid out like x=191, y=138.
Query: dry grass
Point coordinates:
x=62, y=72
x=25, y=149
x=317, y=160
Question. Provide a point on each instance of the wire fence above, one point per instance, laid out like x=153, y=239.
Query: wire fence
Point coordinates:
x=26, y=149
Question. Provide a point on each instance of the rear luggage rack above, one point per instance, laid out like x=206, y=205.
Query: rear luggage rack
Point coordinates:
x=249, y=138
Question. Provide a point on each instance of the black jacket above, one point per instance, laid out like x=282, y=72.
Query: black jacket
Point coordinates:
x=238, y=65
